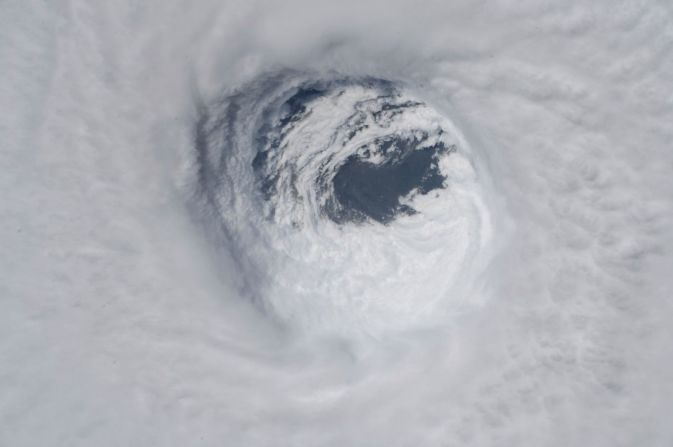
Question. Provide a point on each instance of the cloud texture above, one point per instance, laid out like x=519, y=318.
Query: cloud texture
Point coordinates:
x=122, y=316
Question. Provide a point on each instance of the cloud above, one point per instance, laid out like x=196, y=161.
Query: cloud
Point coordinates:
x=122, y=318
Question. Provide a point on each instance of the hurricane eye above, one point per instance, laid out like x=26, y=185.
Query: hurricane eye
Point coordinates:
x=367, y=190
x=330, y=184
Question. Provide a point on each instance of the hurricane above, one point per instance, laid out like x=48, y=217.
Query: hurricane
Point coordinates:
x=356, y=223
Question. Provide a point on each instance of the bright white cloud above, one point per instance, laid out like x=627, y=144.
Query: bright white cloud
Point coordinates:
x=123, y=320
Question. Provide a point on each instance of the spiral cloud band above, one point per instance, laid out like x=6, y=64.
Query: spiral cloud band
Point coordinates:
x=376, y=223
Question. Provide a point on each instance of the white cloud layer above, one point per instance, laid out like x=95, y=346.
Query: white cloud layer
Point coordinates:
x=122, y=321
